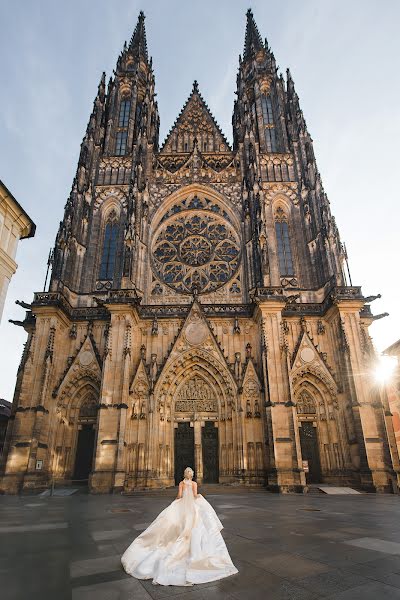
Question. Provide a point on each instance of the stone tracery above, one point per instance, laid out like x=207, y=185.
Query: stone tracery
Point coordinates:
x=196, y=247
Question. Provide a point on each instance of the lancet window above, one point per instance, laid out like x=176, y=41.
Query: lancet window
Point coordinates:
x=283, y=243
x=268, y=117
x=108, y=256
x=123, y=123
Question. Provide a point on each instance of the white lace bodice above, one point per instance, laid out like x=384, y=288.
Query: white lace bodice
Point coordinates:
x=187, y=487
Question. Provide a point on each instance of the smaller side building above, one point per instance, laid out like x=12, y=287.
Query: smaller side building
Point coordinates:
x=15, y=225
x=393, y=390
x=5, y=412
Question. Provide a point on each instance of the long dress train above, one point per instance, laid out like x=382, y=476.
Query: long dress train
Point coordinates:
x=182, y=546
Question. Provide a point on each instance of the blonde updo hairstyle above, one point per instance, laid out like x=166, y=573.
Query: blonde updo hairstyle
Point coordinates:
x=188, y=473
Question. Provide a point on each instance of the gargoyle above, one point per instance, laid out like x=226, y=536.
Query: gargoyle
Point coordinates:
x=24, y=304
x=372, y=298
x=19, y=323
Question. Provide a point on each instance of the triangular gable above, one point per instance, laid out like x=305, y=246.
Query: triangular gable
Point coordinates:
x=140, y=385
x=196, y=333
x=195, y=121
x=251, y=390
x=85, y=363
x=307, y=357
x=250, y=373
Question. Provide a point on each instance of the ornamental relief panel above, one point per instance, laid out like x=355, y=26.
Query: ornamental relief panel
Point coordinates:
x=196, y=396
x=289, y=190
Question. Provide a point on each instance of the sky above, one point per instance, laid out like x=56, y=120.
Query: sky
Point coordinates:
x=343, y=56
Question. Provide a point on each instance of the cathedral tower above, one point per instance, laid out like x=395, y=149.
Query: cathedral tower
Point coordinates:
x=198, y=311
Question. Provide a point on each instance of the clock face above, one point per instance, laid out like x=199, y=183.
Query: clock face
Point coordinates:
x=195, y=247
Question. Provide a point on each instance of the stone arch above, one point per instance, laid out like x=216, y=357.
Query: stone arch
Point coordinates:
x=190, y=362
x=219, y=409
x=190, y=191
x=283, y=202
x=77, y=410
x=316, y=403
x=108, y=197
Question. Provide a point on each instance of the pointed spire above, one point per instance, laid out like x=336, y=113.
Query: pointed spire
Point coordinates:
x=252, y=41
x=138, y=43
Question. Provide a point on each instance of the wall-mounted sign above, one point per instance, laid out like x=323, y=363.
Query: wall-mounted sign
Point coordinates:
x=39, y=465
x=306, y=468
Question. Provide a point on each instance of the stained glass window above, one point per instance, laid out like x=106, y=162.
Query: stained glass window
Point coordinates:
x=284, y=250
x=124, y=110
x=195, y=249
x=120, y=146
x=268, y=118
x=266, y=106
x=109, y=251
x=270, y=140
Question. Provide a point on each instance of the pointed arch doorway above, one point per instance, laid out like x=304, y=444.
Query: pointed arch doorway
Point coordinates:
x=85, y=439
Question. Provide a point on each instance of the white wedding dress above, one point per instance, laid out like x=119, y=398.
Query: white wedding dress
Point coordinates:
x=182, y=546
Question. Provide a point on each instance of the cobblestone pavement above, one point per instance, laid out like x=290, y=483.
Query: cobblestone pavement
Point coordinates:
x=285, y=547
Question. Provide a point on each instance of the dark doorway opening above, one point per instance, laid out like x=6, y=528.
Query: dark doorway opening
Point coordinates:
x=184, y=450
x=310, y=451
x=84, y=452
x=209, y=442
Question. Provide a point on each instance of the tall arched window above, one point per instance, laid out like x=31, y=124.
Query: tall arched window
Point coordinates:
x=268, y=118
x=124, y=110
x=283, y=243
x=122, y=132
x=108, y=256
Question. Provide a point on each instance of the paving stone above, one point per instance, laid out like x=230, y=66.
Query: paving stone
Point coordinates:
x=95, y=565
x=124, y=589
x=376, y=544
x=330, y=582
x=282, y=552
x=368, y=591
x=100, y=536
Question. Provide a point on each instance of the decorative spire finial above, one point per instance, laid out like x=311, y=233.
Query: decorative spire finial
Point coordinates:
x=252, y=41
x=138, y=43
x=195, y=87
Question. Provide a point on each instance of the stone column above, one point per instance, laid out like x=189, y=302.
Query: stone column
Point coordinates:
x=198, y=451
x=286, y=475
x=106, y=458
x=380, y=474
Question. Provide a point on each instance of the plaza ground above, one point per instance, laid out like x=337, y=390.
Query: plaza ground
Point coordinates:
x=285, y=547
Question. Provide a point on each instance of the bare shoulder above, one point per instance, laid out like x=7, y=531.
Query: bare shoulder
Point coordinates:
x=194, y=484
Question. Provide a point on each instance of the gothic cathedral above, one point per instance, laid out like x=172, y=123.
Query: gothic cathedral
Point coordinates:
x=199, y=311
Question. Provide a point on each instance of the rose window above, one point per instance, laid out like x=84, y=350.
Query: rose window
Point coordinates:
x=195, y=250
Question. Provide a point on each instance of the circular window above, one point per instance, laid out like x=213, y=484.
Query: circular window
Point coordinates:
x=195, y=250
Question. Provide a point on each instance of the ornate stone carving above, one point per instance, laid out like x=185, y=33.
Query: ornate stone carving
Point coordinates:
x=195, y=247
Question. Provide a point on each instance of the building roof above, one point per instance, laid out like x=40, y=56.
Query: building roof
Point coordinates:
x=4, y=191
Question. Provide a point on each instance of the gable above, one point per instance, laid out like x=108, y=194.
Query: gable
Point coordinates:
x=86, y=364
x=307, y=358
x=195, y=123
x=196, y=339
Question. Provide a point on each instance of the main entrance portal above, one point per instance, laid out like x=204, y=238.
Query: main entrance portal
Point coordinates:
x=209, y=442
x=184, y=450
x=310, y=452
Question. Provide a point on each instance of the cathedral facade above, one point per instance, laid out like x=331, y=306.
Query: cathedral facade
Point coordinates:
x=199, y=312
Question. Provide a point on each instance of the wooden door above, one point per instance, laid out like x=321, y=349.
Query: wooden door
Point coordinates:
x=184, y=450
x=84, y=452
x=310, y=451
x=209, y=442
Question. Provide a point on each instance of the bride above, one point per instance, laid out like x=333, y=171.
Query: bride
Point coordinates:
x=183, y=545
